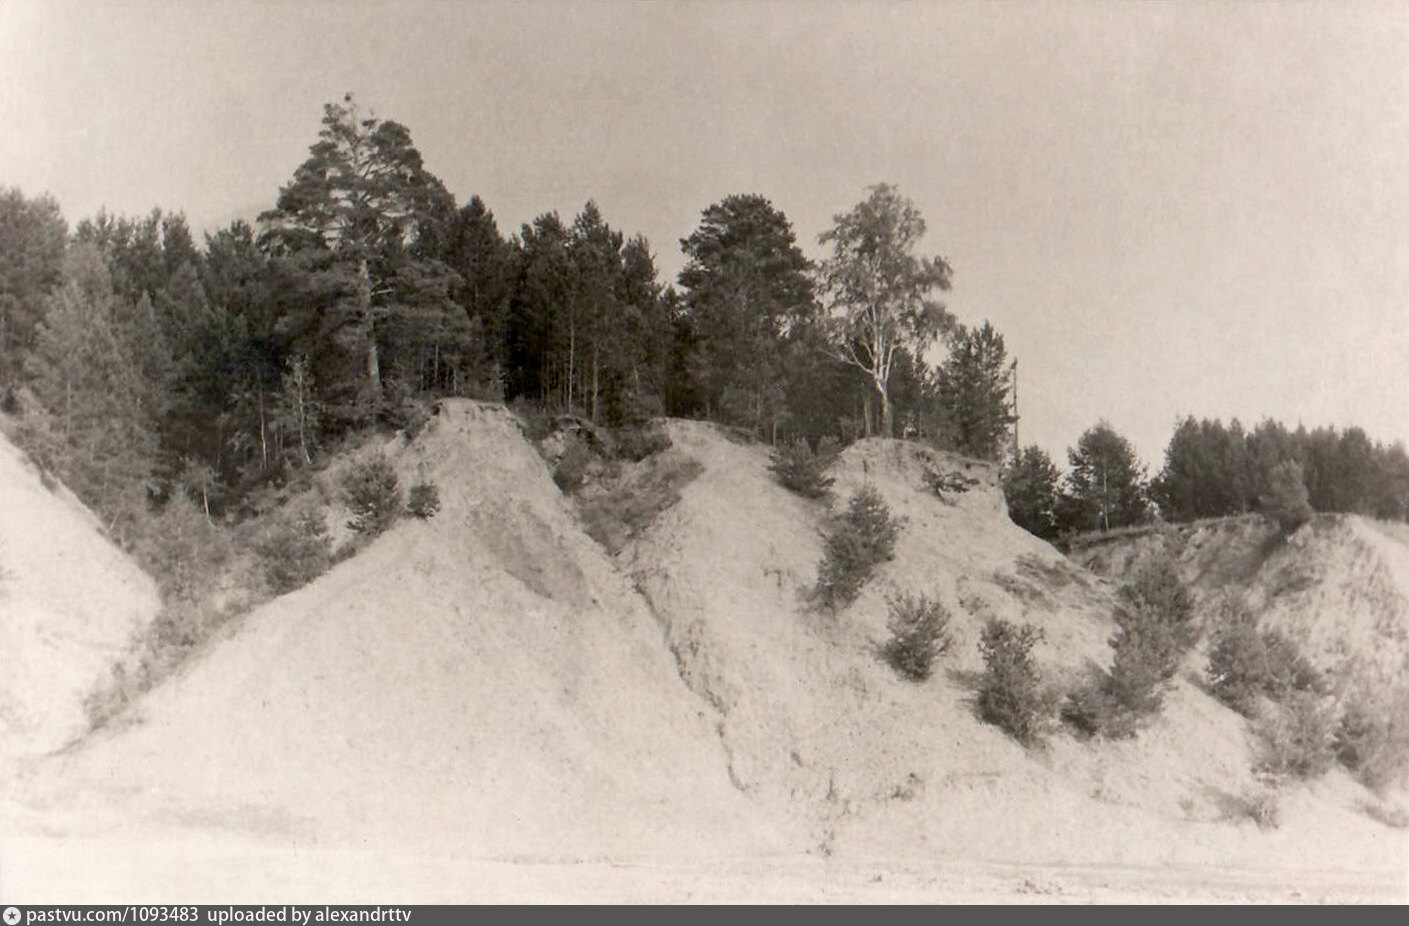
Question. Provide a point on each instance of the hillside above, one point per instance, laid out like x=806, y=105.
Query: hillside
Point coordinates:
x=493, y=702
x=70, y=602
x=483, y=681
x=818, y=725
x=1339, y=587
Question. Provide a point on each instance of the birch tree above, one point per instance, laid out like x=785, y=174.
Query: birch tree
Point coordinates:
x=879, y=292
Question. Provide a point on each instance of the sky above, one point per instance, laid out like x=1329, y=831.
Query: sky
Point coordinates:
x=1166, y=208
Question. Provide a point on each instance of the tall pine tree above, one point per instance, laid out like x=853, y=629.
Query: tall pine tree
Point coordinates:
x=362, y=226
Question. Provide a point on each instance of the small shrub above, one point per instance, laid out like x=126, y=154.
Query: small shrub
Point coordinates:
x=1288, y=669
x=919, y=634
x=294, y=551
x=1093, y=711
x=423, y=501
x=1158, y=590
x=182, y=549
x=1237, y=663
x=1297, y=738
x=636, y=444
x=945, y=483
x=860, y=539
x=1264, y=807
x=1286, y=500
x=1245, y=664
x=1155, y=631
x=1009, y=695
x=1146, y=658
x=371, y=492
x=571, y=471
x=1354, y=735
x=798, y=469
x=1372, y=740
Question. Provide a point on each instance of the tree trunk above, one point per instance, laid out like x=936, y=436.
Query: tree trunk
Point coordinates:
x=374, y=367
x=572, y=358
x=364, y=305
x=263, y=438
x=886, y=424
x=596, y=380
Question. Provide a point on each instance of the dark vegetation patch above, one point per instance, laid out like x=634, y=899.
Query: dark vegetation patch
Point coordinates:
x=919, y=634
x=943, y=484
x=372, y=492
x=1009, y=692
x=800, y=469
x=857, y=541
x=423, y=501
x=1155, y=630
x=624, y=504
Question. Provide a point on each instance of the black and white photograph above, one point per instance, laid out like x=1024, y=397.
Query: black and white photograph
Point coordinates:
x=714, y=452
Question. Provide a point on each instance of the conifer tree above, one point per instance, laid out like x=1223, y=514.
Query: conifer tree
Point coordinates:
x=1106, y=482
x=975, y=391
x=362, y=225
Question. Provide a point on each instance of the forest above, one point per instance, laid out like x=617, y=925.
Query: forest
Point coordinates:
x=145, y=368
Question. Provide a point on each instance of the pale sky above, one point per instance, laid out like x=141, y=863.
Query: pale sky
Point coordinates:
x=1166, y=208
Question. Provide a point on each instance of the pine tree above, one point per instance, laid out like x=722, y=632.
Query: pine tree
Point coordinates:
x=1106, y=482
x=481, y=257
x=361, y=227
x=748, y=292
x=1030, y=489
x=32, y=241
x=975, y=390
x=542, y=330
x=87, y=372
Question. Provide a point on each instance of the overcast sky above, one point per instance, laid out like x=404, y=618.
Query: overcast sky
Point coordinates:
x=1166, y=208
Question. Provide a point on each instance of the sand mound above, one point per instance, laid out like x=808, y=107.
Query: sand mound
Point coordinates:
x=483, y=683
x=819, y=729
x=492, y=684
x=1339, y=586
x=70, y=601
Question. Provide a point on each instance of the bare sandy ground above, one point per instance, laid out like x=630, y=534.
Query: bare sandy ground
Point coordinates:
x=218, y=870
x=489, y=707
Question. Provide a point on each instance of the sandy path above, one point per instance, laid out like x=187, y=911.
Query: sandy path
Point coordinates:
x=207, y=870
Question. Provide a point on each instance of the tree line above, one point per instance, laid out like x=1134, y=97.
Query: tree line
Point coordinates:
x=1209, y=471
x=142, y=365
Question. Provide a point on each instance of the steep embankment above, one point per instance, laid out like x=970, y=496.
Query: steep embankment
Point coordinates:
x=483, y=683
x=818, y=728
x=70, y=602
x=492, y=684
x=1339, y=586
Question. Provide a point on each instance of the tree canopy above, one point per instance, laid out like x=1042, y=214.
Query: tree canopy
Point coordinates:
x=748, y=298
x=147, y=365
x=879, y=291
x=1106, y=482
x=364, y=224
x=975, y=388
